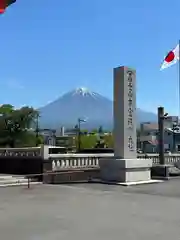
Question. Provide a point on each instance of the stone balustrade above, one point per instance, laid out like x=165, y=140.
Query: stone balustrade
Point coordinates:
x=72, y=161
x=20, y=152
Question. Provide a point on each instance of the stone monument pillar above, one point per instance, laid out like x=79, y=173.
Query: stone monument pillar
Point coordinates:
x=125, y=166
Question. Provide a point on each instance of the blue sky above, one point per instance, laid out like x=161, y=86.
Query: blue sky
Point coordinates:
x=49, y=47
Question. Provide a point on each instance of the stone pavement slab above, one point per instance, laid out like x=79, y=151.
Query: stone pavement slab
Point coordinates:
x=91, y=211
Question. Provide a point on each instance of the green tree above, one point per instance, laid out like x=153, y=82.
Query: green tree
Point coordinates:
x=6, y=109
x=87, y=141
x=109, y=140
x=90, y=141
x=94, y=131
x=15, y=124
x=84, y=132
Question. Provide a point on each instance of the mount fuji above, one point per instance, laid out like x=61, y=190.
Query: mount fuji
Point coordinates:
x=82, y=103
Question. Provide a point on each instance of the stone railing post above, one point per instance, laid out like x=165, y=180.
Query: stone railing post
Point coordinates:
x=47, y=163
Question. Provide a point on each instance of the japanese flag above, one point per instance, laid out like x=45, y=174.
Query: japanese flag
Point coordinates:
x=2, y=6
x=171, y=58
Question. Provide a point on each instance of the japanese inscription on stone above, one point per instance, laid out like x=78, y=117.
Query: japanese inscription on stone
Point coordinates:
x=130, y=144
x=130, y=109
x=130, y=100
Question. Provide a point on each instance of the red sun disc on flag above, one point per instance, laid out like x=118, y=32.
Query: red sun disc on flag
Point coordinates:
x=2, y=11
x=170, y=57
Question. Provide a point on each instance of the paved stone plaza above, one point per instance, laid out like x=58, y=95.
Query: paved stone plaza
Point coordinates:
x=91, y=211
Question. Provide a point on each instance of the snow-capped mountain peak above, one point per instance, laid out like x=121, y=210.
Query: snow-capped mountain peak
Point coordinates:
x=80, y=103
x=83, y=91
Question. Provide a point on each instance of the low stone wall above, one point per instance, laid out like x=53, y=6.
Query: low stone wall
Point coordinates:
x=73, y=162
x=40, y=160
x=21, y=165
x=21, y=161
x=71, y=176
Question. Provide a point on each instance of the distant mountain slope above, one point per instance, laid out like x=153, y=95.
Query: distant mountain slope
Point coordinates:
x=82, y=103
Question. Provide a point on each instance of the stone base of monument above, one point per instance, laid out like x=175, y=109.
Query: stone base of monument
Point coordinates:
x=126, y=171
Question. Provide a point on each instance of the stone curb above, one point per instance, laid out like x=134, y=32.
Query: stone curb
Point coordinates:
x=19, y=184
